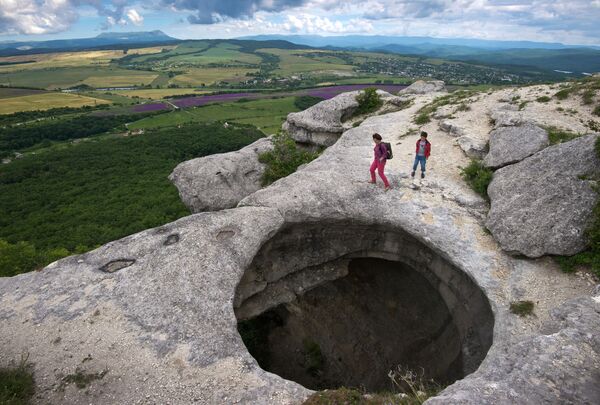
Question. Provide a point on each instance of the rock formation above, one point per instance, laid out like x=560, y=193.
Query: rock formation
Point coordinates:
x=220, y=181
x=424, y=87
x=543, y=204
x=473, y=148
x=156, y=313
x=511, y=144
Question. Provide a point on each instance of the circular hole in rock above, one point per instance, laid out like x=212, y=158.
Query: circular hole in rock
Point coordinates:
x=335, y=305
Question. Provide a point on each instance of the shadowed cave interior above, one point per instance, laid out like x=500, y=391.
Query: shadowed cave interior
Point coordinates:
x=377, y=300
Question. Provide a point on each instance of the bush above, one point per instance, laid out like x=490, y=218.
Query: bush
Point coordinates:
x=422, y=119
x=563, y=94
x=588, y=96
x=543, y=99
x=284, y=159
x=368, y=101
x=596, y=111
x=304, y=102
x=522, y=308
x=16, y=384
x=478, y=177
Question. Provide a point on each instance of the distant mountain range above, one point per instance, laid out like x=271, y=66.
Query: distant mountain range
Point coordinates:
x=102, y=40
x=544, y=55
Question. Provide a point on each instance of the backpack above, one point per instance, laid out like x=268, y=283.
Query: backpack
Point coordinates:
x=388, y=147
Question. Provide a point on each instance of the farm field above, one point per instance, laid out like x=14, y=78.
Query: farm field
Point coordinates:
x=209, y=76
x=266, y=114
x=293, y=62
x=46, y=101
x=157, y=94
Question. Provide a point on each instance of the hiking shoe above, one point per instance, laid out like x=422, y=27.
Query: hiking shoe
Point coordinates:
x=422, y=175
x=388, y=188
x=412, y=174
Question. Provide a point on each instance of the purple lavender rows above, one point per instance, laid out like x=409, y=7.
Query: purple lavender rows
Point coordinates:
x=196, y=101
x=150, y=107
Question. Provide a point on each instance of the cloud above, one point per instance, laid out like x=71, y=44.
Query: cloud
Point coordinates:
x=35, y=17
x=134, y=17
x=215, y=11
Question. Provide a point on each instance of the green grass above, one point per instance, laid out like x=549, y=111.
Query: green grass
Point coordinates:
x=596, y=111
x=422, y=119
x=522, y=308
x=542, y=99
x=47, y=101
x=556, y=135
x=478, y=177
x=97, y=191
x=17, y=384
x=81, y=379
x=563, y=94
x=266, y=114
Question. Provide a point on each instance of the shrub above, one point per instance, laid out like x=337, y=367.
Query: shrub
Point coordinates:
x=463, y=107
x=588, y=96
x=478, y=177
x=543, y=99
x=422, y=119
x=596, y=111
x=523, y=104
x=16, y=383
x=563, y=94
x=522, y=308
x=368, y=101
x=284, y=159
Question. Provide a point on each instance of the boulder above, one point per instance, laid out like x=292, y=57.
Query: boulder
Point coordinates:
x=424, y=87
x=512, y=144
x=506, y=118
x=543, y=204
x=220, y=181
x=451, y=128
x=444, y=111
x=473, y=148
x=321, y=124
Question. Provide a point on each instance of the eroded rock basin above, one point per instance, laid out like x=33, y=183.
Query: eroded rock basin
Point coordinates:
x=337, y=304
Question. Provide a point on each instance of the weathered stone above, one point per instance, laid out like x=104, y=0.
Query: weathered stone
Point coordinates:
x=512, y=144
x=473, y=148
x=559, y=366
x=220, y=181
x=444, y=111
x=424, y=87
x=506, y=118
x=543, y=204
x=451, y=128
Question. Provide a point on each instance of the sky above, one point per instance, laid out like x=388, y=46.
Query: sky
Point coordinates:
x=565, y=21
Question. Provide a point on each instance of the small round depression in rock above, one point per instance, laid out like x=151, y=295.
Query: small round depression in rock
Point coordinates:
x=335, y=305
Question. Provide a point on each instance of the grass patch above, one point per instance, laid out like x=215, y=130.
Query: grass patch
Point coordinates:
x=463, y=107
x=17, y=384
x=47, y=101
x=522, y=105
x=422, y=119
x=478, y=177
x=596, y=111
x=368, y=101
x=522, y=308
x=562, y=94
x=304, y=102
x=588, y=96
x=556, y=135
x=542, y=99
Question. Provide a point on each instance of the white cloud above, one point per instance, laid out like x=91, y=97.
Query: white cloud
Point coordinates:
x=35, y=17
x=134, y=17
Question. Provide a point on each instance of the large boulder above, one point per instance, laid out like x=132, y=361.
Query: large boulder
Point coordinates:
x=513, y=144
x=424, y=87
x=220, y=181
x=505, y=117
x=451, y=128
x=322, y=124
x=543, y=204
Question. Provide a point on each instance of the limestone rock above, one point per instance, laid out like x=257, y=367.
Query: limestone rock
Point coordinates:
x=321, y=124
x=513, y=144
x=536, y=370
x=444, y=111
x=473, y=148
x=220, y=181
x=542, y=205
x=451, y=128
x=506, y=118
x=424, y=87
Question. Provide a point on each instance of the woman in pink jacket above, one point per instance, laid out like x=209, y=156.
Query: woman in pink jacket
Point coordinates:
x=379, y=161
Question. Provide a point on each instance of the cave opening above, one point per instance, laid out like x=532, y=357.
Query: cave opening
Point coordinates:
x=339, y=305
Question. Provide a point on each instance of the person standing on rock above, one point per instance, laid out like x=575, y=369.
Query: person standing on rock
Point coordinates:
x=422, y=154
x=379, y=161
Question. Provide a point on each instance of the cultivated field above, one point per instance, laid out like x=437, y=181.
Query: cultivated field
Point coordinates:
x=210, y=76
x=45, y=101
x=158, y=94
